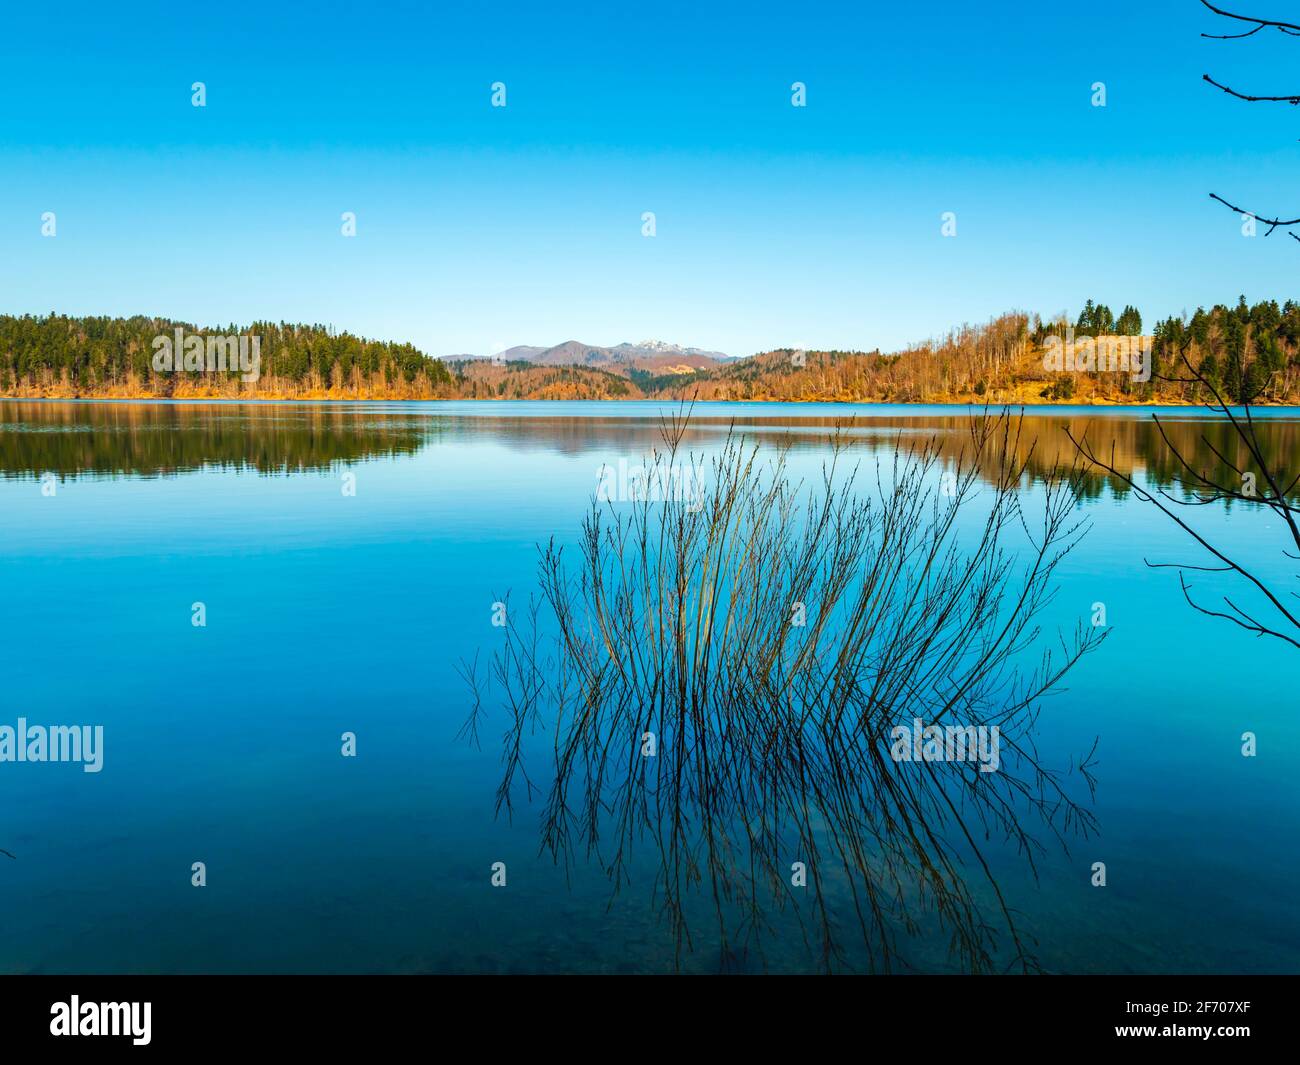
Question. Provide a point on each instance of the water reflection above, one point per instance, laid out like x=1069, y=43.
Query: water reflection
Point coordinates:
x=161, y=439
x=816, y=759
x=72, y=439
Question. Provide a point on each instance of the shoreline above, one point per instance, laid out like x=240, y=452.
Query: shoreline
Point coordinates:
x=955, y=402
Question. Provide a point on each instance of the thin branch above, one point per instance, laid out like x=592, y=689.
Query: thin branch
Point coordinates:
x=1289, y=28
x=1272, y=223
x=1088, y=452
x=1252, y=99
x=1249, y=623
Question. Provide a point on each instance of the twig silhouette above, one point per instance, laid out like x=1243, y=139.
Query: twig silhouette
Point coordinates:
x=679, y=624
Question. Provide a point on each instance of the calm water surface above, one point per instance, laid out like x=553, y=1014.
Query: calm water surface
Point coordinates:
x=329, y=613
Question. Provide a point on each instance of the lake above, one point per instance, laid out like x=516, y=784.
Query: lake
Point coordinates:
x=348, y=557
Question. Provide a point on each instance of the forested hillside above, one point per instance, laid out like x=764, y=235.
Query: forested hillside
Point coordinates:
x=59, y=355
x=1249, y=352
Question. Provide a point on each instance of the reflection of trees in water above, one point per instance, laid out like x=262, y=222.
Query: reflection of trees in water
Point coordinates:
x=1138, y=445
x=773, y=739
x=160, y=438
x=69, y=439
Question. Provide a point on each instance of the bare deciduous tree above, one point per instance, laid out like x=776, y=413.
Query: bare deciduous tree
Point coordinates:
x=1249, y=478
x=1253, y=481
x=1291, y=29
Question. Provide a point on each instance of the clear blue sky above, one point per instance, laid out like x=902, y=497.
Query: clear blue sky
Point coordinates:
x=481, y=227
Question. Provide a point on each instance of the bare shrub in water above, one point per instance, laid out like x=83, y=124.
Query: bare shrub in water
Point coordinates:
x=774, y=738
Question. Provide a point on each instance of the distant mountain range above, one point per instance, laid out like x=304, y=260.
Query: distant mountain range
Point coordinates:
x=652, y=356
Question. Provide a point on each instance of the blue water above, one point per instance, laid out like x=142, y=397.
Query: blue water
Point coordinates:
x=329, y=613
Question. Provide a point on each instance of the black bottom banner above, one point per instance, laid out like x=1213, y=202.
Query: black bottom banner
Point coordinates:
x=143, y=1014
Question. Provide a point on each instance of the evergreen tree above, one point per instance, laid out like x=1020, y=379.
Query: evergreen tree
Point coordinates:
x=1129, y=323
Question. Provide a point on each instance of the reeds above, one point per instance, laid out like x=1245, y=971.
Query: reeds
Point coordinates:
x=678, y=620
